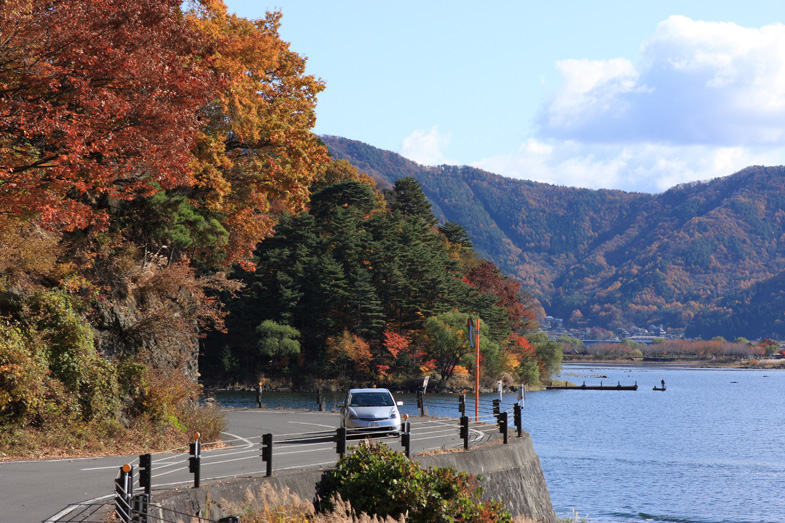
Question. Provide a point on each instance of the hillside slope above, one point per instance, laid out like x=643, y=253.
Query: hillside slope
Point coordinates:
x=691, y=257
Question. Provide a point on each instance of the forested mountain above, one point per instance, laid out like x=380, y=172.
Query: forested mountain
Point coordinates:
x=706, y=256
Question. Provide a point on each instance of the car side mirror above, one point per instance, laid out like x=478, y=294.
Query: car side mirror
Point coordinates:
x=400, y=404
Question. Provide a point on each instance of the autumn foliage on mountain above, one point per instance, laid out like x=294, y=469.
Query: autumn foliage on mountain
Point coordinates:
x=706, y=258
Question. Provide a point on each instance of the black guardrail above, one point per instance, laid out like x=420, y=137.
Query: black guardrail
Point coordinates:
x=130, y=506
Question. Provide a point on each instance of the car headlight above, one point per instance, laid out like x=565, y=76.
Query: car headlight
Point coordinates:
x=352, y=415
x=393, y=415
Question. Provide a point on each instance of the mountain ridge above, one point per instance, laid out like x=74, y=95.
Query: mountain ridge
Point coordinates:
x=690, y=257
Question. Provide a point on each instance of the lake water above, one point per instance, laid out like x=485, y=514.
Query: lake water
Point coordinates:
x=710, y=449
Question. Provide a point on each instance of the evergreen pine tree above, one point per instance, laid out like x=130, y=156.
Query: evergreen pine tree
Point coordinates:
x=408, y=198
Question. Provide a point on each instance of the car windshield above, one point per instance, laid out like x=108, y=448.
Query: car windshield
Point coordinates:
x=371, y=399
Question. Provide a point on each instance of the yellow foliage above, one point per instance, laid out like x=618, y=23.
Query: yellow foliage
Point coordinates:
x=510, y=361
x=28, y=252
x=256, y=150
x=460, y=370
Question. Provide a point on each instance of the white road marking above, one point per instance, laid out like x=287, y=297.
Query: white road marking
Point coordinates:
x=103, y=468
x=314, y=424
x=247, y=441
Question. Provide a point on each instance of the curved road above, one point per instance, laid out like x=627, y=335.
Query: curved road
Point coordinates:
x=48, y=490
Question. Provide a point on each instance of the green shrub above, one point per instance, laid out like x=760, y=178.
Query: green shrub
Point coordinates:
x=59, y=396
x=23, y=377
x=71, y=355
x=529, y=372
x=377, y=480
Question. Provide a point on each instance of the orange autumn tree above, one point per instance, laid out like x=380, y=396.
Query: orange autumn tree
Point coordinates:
x=256, y=155
x=98, y=103
x=526, y=363
x=350, y=354
x=396, y=344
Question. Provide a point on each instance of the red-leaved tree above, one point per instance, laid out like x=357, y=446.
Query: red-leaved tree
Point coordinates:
x=98, y=103
x=489, y=279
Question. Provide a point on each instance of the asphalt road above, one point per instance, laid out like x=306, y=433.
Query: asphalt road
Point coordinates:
x=48, y=490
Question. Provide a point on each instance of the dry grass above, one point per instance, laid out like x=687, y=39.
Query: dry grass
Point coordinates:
x=764, y=364
x=270, y=505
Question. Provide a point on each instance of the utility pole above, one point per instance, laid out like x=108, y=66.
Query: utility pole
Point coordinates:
x=474, y=340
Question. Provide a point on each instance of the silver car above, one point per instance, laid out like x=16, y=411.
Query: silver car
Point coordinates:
x=371, y=410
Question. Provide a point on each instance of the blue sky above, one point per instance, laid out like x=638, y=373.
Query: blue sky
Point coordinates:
x=630, y=95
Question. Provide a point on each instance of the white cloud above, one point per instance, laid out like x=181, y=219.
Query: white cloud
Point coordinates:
x=537, y=147
x=425, y=147
x=642, y=167
x=696, y=83
x=704, y=100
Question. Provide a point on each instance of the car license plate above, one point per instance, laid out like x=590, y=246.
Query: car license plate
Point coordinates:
x=373, y=424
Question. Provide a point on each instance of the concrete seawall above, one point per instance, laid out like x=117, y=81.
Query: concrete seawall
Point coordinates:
x=512, y=474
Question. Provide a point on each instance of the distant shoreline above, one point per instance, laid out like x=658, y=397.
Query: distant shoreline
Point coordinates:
x=682, y=362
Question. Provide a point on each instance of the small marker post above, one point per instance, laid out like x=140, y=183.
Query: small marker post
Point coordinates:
x=194, y=462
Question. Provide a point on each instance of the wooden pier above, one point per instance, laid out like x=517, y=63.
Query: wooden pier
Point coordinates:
x=618, y=386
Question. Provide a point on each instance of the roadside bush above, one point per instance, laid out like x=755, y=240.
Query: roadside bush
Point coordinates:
x=377, y=480
x=168, y=399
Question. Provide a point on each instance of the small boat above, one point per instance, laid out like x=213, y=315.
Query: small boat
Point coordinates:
x=662, y=388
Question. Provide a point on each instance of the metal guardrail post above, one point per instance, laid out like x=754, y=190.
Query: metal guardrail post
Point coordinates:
x=421, y=402
x=462, y=404
x=267, y=452
x=496, y=407
x=141, y=509
x=521, y=394
x=124, y=488
x=194, y=462
x=146, y=472
x=406, y=439
x=517, y=418
x=465, y=432
x=503, y=425
x=340, y=439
